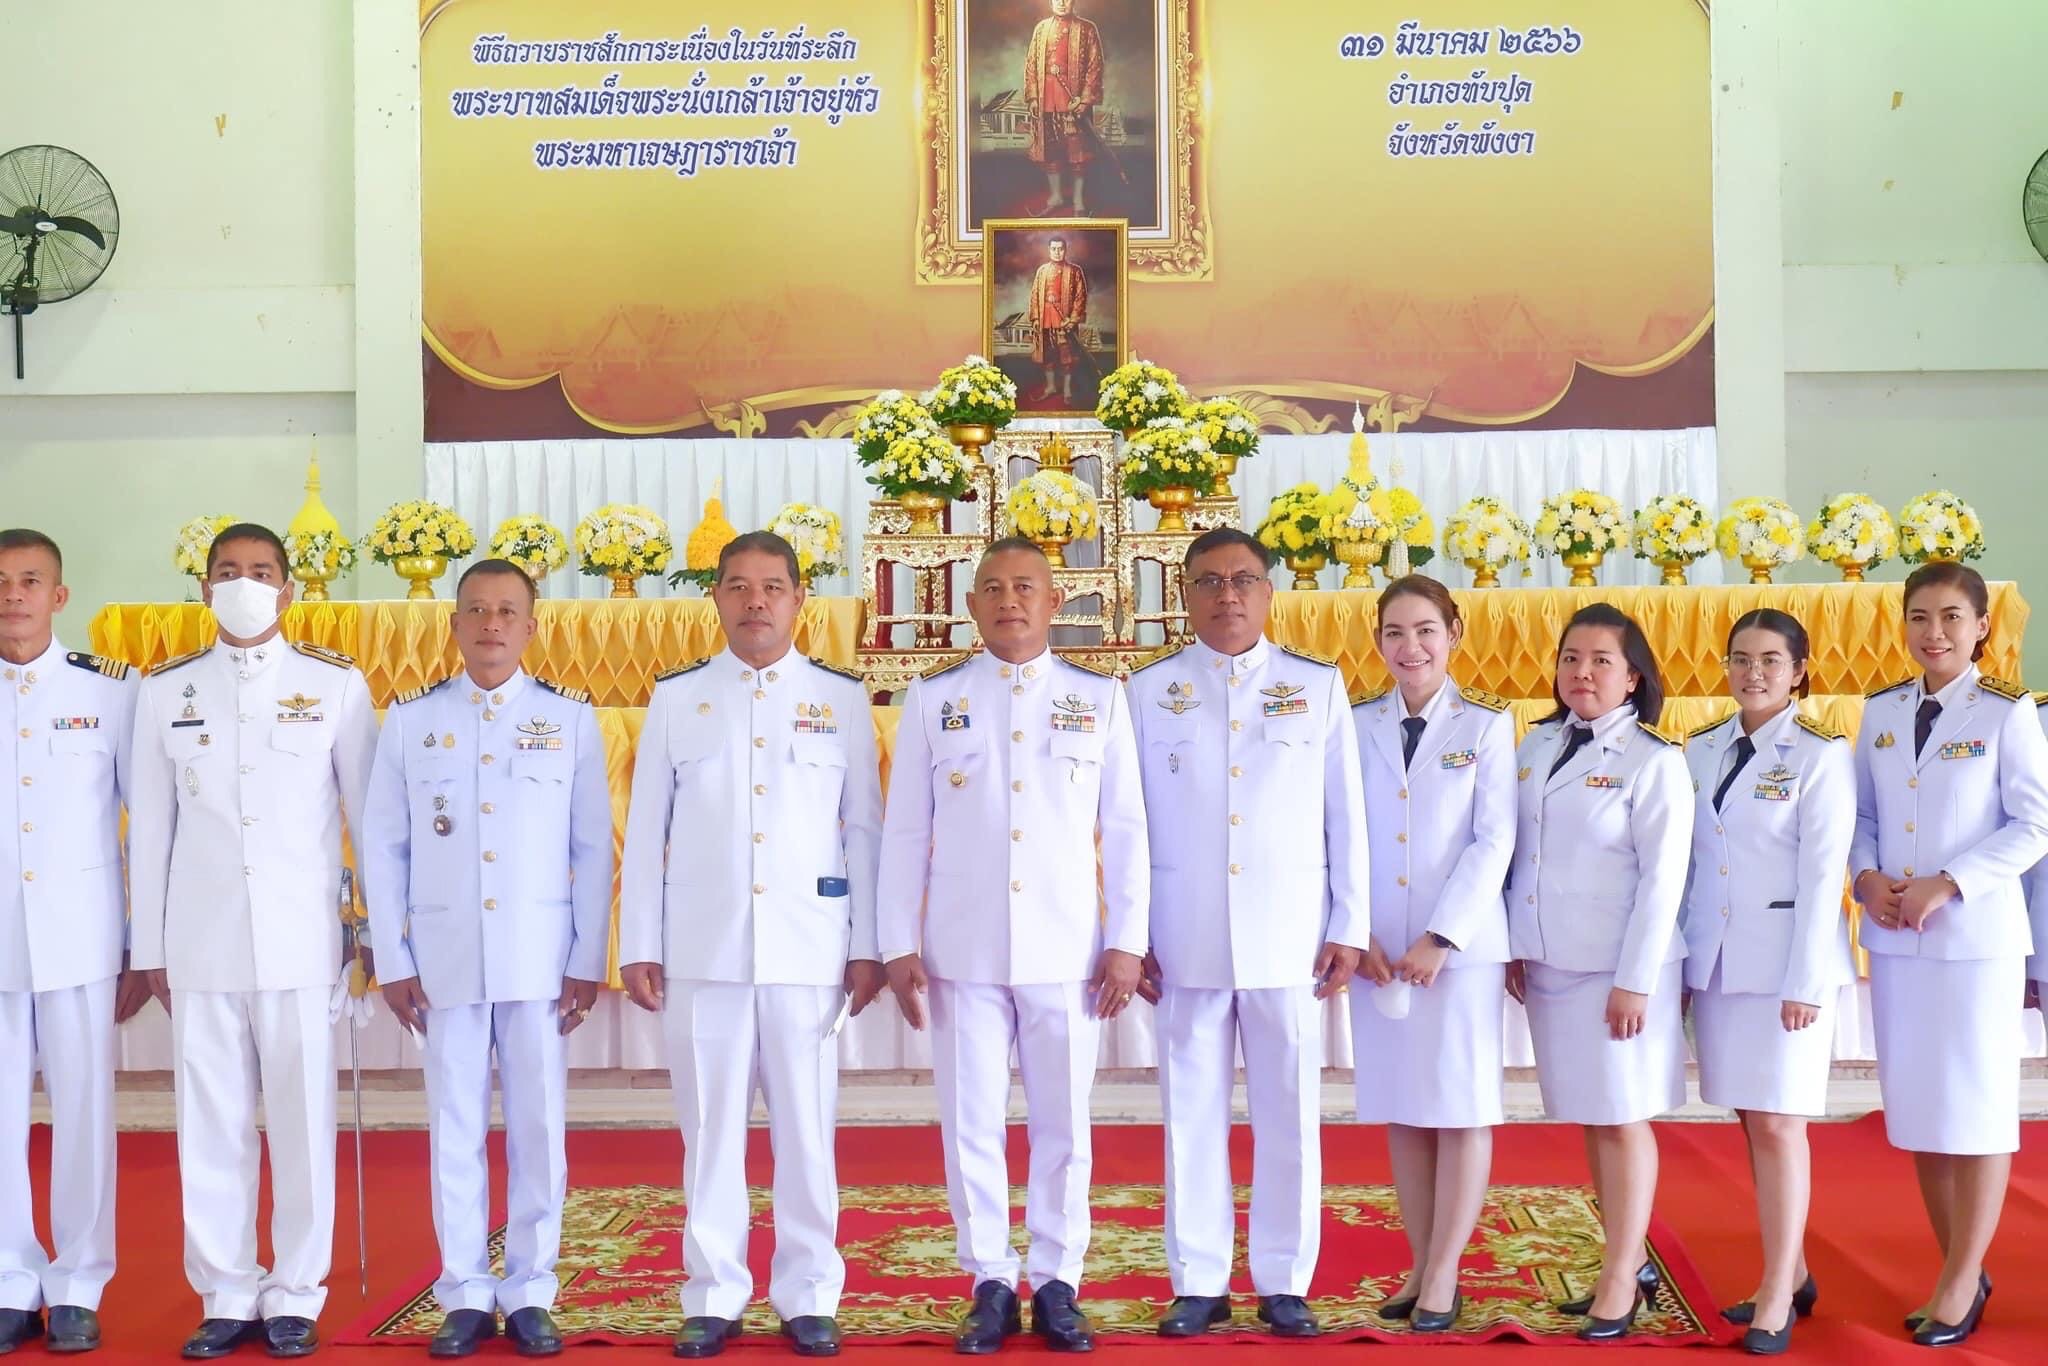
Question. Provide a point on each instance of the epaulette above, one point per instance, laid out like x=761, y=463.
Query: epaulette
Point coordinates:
x=1299, y=653
x=1889, y=687
x=415, y=694
x=2000, y=687
x=1823, y=730
x=1651, y=730
x=1479, y=698
x=2041, y=699
x=1370, y=695
x=945, y=666
x=1715, y=724
x=1164, y=652
x=179, y=662
x=1100, y=671
x=691, y=667
x=99, y=664
x=840, y=669
x=572, y=694
x=324, y=655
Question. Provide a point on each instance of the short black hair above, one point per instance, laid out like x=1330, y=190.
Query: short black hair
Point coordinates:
x=1648, y=698
x=499, y=567
x=1222, y=537
x=1005, y=545
x=248, y=531
x=27, y=538
x=1055, y=238
x=765, y=543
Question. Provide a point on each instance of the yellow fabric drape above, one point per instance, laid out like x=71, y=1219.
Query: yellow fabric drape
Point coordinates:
x=613, y=649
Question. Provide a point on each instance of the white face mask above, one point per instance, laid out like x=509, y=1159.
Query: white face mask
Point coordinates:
x=244, y=608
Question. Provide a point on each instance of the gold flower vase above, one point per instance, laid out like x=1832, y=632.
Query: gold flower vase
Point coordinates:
x=1173, y=503
x=1852, y=568
x=1674, y=571
x=1306, y=565
x=625, y=585
x=312, y=585
x=1759, y=568
x=1484, y=574
x=924, y=510
x=1226, y=466
x=1055, y=548
x=1583, y=565
x=420, y=571
x=970, y=437
x=1358, y=558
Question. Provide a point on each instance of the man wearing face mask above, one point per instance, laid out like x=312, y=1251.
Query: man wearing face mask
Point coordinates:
x=245, y=757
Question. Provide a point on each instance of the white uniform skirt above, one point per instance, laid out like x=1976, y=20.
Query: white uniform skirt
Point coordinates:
x=1439, y=1068
x=1949, y=1039
x=1750, y=1061
x=1589, y=1077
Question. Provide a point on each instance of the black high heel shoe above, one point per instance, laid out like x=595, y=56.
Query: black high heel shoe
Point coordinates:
x=1429, y=1321
x=1611, y=1330
x=1647, y=1277
x=1761, y=1342
x=1803, y=1300
x=1396, y=1310
x=1934, y=1333
x=1913, y=1321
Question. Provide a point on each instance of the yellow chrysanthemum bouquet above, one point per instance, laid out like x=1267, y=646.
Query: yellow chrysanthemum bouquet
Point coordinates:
x=1052, y=506
x=1852, y=532
x=1486, y=538
x=319, y=554
x=1763, y=533
x=1168, y=453
x=535, y=544
x=813, y=533
x=1137, y=392
x=972, y=393
x=1300, y=524
x=623, y=542
x=1939, y=526
x=892, y=416
x=1581, y=522
x=923, y=462
x=1227, y=425
x=1673, y=530
x=418, y=529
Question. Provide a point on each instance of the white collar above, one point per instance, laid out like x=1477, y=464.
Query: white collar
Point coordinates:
x=1947, y=696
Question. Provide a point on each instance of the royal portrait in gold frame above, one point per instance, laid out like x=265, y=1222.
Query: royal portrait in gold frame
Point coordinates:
x=1063, y=107
x=1055, y=308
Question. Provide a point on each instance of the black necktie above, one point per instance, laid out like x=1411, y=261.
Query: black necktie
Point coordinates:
x=1411, y=736
x=1744, y=747
x=1923, y=724
x=1575, y=738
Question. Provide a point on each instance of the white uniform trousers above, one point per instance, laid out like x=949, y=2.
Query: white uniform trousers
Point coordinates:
x=533, y=1074
x=71, y=1030
x=223, y=1044
x=725, y=1039
x=1055, y=1033
x=1199, y=1034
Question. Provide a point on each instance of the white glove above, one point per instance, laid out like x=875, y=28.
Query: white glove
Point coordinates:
x=359, y=1009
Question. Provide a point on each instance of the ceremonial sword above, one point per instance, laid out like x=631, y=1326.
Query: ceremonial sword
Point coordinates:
x=358, y=984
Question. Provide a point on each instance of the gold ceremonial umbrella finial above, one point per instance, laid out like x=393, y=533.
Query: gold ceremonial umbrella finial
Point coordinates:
x=313, y=515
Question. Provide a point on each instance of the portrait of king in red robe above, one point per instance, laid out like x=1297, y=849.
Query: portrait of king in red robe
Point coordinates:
x=1059, y=305
x=1062, y=86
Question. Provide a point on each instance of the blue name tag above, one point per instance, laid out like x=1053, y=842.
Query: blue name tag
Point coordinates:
x=831, y=886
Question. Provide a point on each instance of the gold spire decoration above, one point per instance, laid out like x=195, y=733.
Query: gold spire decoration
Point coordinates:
x=313, y=515
x=710, y=535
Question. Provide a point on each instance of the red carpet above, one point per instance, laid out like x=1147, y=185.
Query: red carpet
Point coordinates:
x=1868, y=1243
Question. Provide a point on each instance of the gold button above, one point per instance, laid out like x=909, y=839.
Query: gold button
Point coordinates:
x=1017, y=785
x=28, y=826
x=490, y=715
x=772, y=675
x=10, y=675
x=760, y=693
x=1017, y=735
x=1236, y=868
x=1401, y=838
x=1717, y=829
x=703, y=709
x=760, y=743
x=1532, y=901
x=1016, y=886
x=1016, y=837
x=758, y=889
x=1235, y=680
x=1031, y=671
x=1724, y=910
x=1006, y=671
x=1909, y=827
x=475, y=696
x=760, y=789
x=490, y=903
x=958, y=780
x=490, y=856
x=1400, y=882
x=28, y=782
x=488, y=759
x=760, y=838
x=1403, y=794
x=1909, y=872
x=1237, y=725
x=1724, y=870
x=746, y=675
x=1017, y=690
x=498, y=698
x=490, y=808
x=1236, y=772
x=28, y=876
x=1912, y=782
x=1236, y=819
x=25, y=732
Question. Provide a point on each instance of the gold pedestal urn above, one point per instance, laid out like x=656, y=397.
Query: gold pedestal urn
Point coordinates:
x=1173, y=503
x=924, y=510
x=1583, y=565
x=1358, y=558
x=420, y=571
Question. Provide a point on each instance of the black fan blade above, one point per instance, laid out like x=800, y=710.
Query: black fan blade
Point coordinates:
x=83, y=228
x=21, y=224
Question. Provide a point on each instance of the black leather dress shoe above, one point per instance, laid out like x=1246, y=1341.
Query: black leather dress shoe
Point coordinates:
x=289, y=1335
x=995, y=1316
x=813, y=1335
x=1056, y=1318
x=1647, y=1277
x=1611, y=1330
x=1396, y=1310
x=463, y=1331
x=1289, y=1316
x=218, y=1337
x=1803, y=1300
x=73, y=1328
x=1935, y=1333
x=704, y=1336
x=1430, y=1321
x=18, y=1326
x=533, y=1333
x=1913, y=1321
x=1190, y=1316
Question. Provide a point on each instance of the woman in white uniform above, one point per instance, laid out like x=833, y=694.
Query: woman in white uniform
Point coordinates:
x=1439, y=766
x=1604, y=816
x=1951, y=812
x=1766, y=945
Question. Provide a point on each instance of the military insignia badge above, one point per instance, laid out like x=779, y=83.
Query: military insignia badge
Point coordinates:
x=1073, y=702
x=443, y=823
x=1772, y=792
x=1602, y=780
x=812, y=719
x=1286, y=700
x=298, y=707
x=1080, y=723
x=1963, y=749
x=1180, y=697
x=538, y=726
x=1883, y=741
x=951, y=718
x=1460, y=758
x=75, y=722
x=1779, y=774
x=1523, y=776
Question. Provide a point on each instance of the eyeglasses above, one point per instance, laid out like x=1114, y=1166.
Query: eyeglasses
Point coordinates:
x=1770, y=666
x=1209, y=585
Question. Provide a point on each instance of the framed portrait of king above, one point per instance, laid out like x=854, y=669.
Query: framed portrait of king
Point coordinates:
x=1058, y=109
x=1054, y=300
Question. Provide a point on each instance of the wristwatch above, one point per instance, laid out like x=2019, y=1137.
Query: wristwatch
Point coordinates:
x=1440, y=941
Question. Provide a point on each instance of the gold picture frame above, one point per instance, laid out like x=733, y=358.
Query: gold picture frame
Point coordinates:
x=1174, y=176
x=1056, y=375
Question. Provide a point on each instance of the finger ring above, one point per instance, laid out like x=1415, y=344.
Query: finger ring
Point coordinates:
x=580, y=1013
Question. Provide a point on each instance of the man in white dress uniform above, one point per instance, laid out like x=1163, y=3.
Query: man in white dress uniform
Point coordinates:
x=63, y=931
x=747, y=922
x=488, y=847
x=1008, y=765
x=1259, y=912
x=245, y=757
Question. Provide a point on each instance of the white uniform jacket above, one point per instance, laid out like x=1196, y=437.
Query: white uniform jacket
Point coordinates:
x=2036, y=886
x=1600, y=851
x=1973, y=804
x=1254, y=812
x=755, y=826
x=63, y=903
x=1765, y=898
x=488, y=842
x=1004, y=775
x=1443, y=825
x=243, y=764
